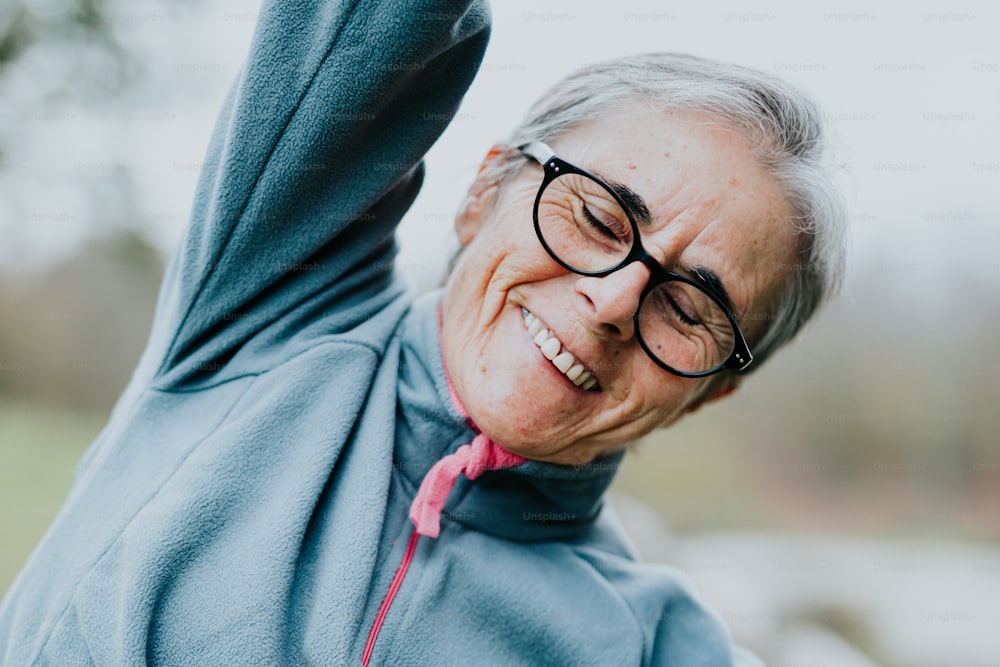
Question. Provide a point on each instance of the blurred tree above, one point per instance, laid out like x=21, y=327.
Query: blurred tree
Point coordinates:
x=82, y=25
x=72, y=335
x=72, y=331
x=15, y=33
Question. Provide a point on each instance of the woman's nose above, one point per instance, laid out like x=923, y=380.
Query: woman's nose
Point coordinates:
x=613, y=300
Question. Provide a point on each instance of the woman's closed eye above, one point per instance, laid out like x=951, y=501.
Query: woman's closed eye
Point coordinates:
x=677, y=302
x=688, y=319
x=606, y=225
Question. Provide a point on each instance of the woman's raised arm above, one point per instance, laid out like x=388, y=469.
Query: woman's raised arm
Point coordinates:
x=314, y=160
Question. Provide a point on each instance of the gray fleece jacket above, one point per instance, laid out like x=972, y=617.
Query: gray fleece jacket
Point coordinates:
x=247, y=503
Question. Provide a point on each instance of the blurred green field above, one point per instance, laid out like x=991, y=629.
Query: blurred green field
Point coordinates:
x=39, y=449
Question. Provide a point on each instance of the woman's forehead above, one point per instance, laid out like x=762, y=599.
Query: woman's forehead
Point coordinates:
x=658, y=150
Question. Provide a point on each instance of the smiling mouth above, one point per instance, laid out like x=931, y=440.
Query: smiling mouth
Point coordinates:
x=553, y=350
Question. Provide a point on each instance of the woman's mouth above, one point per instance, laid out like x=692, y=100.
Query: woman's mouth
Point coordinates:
x=553, y=350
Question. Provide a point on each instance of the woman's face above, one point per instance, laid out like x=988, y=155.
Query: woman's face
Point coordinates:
x=712, y=205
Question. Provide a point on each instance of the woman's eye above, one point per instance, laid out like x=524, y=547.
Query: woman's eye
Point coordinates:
x=610, y=228
x=690, y=319
x=684, y=317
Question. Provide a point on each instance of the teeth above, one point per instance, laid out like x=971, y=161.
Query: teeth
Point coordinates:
x=564, y=362
x=551, y=348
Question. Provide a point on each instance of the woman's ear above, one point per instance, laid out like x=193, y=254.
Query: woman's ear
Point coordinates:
x=475, y=210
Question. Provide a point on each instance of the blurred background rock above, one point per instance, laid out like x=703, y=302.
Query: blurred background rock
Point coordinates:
x=842, y=509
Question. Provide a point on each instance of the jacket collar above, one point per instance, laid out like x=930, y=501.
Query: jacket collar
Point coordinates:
x=531, y=501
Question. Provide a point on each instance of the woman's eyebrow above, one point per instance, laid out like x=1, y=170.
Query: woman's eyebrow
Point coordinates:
x=712, y=281
x=634, y=204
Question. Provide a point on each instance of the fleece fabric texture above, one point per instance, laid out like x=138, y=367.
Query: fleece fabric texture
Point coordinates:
x=247, y=503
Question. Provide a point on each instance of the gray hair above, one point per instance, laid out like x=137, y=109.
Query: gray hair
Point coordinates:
x=782, y=124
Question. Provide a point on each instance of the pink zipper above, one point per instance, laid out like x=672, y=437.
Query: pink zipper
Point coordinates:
x=383, y=610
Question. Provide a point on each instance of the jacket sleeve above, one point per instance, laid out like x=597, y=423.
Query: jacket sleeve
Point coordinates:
x=313, y=161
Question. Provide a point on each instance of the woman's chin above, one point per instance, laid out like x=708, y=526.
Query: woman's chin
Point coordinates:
x=577, y=454
x=566, y=447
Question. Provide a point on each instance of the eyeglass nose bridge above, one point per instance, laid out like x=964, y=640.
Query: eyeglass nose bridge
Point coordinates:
x=657, y=274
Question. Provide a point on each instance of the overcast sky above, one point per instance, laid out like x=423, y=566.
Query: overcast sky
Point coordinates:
x=912, y=89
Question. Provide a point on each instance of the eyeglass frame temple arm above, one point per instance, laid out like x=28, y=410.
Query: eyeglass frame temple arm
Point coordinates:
x=537, y=150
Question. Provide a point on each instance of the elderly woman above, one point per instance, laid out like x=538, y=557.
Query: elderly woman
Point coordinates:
x=310, y=468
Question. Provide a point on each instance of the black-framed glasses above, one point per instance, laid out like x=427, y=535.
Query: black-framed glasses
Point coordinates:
x=585, y=226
